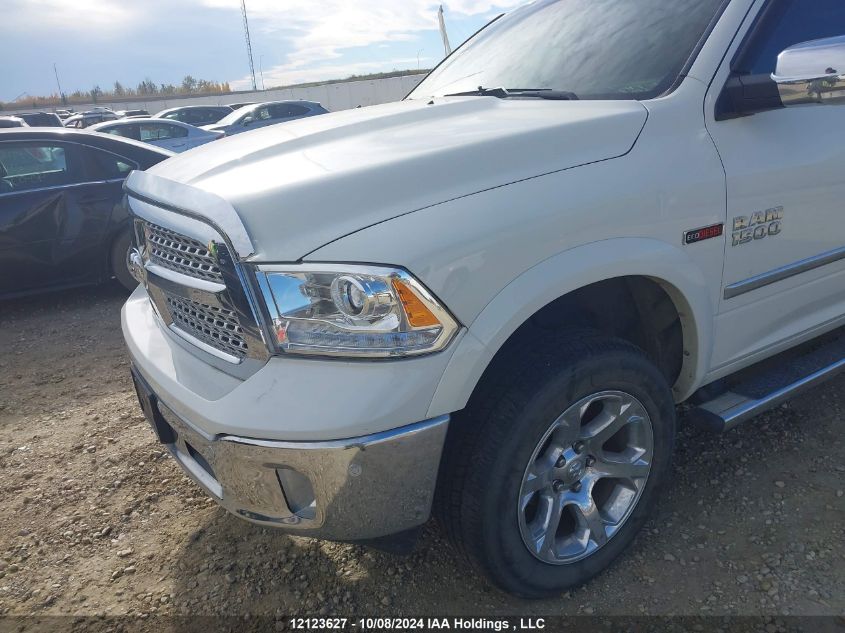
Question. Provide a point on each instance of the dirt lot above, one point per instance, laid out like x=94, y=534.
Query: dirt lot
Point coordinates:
x=97, y=519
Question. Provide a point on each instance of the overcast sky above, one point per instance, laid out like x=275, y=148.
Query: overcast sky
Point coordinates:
x=95, y=42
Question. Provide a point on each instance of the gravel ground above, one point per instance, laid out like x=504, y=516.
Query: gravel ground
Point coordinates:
x=97, y=519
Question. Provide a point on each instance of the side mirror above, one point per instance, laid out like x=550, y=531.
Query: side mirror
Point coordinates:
x=812, y=72
x=247, y=121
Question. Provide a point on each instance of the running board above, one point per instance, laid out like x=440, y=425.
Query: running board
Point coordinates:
x=731, y=409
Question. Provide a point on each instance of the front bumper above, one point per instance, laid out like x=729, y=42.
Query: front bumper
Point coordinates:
x=355, y=489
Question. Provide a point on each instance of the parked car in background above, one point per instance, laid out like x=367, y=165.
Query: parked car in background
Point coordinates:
x=61, y=219
x=129, y=113
x=195, y=115
x=63, y=114
x=12, y=121
x=41, y=119
x=264, y=114
x=87, y=119
x=173, y=135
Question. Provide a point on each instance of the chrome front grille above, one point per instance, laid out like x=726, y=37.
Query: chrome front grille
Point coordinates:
x=200, y=291
x=212, y=325
x=211, y=317
x=180, y=253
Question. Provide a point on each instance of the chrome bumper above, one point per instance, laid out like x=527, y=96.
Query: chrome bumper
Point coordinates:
x=359, y=488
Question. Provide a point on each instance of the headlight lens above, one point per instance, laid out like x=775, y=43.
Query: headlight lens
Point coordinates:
x=346, y=310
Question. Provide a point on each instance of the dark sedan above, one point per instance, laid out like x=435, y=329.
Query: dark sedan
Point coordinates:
x=62, y=222
x=41, y=119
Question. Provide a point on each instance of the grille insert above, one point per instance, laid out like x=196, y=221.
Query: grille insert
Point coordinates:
x=181, y=254
x=217, y=327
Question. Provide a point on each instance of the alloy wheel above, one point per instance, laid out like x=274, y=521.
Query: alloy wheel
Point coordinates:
x=585, y=477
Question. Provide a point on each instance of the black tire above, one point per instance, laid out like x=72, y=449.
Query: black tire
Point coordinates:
x=494, y=439
x=121, y=246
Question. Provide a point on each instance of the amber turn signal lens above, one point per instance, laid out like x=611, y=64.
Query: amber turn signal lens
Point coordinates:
x=416, y=311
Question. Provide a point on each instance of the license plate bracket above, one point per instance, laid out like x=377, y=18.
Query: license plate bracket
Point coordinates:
x=149, y=405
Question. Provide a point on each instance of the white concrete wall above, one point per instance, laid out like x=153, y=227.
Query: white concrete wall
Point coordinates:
x=337, y=96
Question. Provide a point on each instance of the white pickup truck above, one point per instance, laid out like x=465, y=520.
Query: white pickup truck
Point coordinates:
x=488, y=298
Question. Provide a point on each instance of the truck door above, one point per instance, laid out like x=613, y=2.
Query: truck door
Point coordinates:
x=784, y=270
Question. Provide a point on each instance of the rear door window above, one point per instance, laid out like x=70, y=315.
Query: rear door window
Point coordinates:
x=104, y=165
x=126, y=131
x=160, y=131
x=287, y=111
x=205, y=116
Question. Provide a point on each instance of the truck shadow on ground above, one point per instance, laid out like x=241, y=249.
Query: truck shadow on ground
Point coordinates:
x=722, y=517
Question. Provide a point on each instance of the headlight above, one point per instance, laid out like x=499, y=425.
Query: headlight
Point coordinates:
x=346, y=310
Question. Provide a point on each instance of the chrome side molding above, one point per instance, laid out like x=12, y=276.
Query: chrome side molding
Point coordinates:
x=784, y=272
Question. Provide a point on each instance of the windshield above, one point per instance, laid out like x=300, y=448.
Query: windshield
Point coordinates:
x=596, y=49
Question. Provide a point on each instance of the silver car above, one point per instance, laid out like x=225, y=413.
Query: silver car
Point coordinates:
x=12, y=121
x=259, y=115
x=87, y=119
x=173, y=135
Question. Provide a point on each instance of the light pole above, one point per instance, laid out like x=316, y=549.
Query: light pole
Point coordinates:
x=261, y=70
x=61, y=94
x=442, y=20
x=248, y=44
x=418, y=57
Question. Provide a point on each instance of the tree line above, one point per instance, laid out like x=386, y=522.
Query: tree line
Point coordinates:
x=120, y=92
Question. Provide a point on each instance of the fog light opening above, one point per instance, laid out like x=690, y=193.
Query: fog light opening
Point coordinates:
x=202, y=461
x=298, y=493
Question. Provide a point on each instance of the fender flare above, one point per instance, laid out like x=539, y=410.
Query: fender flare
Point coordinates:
x=570, y=270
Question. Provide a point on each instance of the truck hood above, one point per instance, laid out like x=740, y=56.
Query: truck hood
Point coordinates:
x=300, y=185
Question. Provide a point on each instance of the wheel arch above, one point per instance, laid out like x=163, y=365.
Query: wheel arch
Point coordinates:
x=646, y=262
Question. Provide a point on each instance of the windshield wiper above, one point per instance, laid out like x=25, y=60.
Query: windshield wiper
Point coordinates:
x=518, y=93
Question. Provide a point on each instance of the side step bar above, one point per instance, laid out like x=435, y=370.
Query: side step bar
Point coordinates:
x=731, y=409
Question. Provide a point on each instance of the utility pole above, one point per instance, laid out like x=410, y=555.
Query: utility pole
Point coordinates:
x=248, y=45
x=61, y=94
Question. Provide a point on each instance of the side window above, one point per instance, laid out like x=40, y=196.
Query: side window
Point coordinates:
x=203, y=116
x=160, y=131
x=785, y=23
x=33, y=165
x=287, y=111
x=176, y=131
x=193, y=117
x=126, y=131
x=107, y=166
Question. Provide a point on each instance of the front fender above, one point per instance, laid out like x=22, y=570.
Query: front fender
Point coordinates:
x=570, y=270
